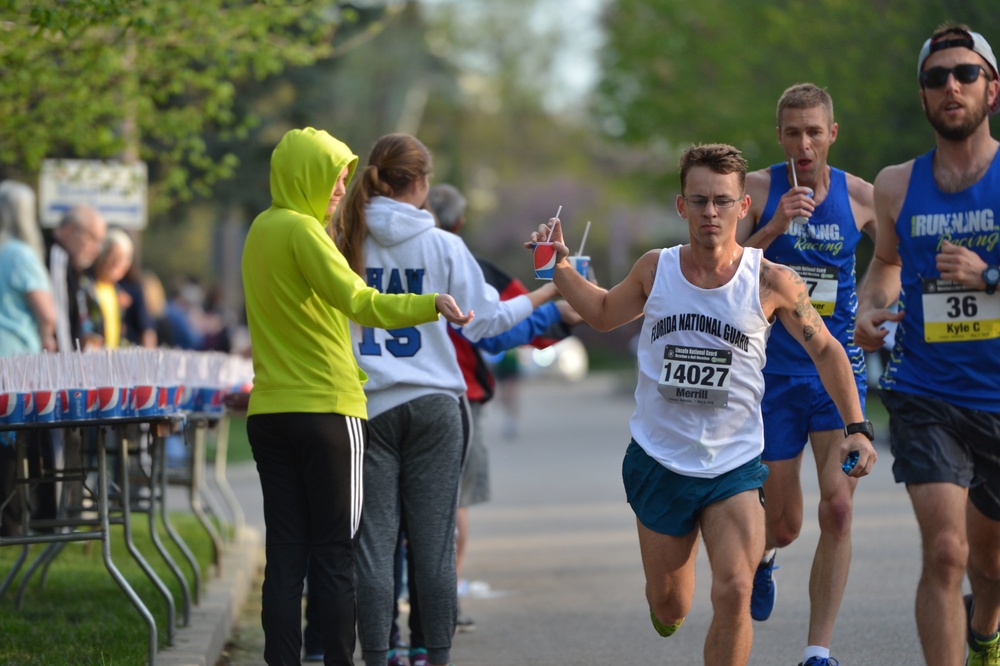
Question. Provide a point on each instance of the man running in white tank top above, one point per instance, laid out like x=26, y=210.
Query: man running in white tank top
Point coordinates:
x=693, y=465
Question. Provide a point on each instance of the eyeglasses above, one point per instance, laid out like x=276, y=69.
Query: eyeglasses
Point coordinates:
x=701, y=202
x=935, y=77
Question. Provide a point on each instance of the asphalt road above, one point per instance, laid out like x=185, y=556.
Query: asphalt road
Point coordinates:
x=554, y=560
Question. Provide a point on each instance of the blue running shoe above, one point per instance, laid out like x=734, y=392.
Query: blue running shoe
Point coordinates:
x=820, y=661
x=764, y=591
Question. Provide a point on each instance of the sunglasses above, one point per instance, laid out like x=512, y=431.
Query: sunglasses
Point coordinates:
x=935, y=77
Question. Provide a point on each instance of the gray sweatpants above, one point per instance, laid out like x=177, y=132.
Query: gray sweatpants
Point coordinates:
x=412, y=470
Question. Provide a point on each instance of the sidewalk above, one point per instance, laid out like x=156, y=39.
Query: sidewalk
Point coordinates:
x=223, y=597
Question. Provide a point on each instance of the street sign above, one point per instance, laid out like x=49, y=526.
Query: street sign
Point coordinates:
x=115, y=189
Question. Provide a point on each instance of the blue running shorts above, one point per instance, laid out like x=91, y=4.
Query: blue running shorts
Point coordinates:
x=795, y=406
x=670, y=503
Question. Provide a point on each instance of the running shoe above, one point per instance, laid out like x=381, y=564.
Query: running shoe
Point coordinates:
x=395, y=659
x=820, y=661
x=418, y=657
x=764, y=591
x=980, y=653
x=463, y=622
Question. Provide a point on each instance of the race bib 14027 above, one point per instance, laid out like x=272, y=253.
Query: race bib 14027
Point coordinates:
x=696, y=376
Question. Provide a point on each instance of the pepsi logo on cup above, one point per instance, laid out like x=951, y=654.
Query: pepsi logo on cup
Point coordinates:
x=79, y=403
x=46, y=405
x=545, y=260
x=15, y=408
x=110, y=400
x=148, y=400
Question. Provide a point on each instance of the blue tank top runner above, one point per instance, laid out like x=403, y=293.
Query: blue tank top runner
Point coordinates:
x=948, y=343
x=822, y=252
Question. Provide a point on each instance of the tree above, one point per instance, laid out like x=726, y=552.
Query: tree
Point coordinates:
x=144, y=79
x=676, y=72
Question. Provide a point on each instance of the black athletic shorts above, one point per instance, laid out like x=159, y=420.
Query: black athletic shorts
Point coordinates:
x=933, y=441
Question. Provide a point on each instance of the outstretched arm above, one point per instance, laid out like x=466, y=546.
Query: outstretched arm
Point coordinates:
x=446, y=306
x=786, y=296
x=603, y=309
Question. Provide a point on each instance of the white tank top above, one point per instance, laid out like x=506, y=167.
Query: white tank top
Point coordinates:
x=700, y=356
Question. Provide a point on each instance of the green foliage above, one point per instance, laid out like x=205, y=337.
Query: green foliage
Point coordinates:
x=137, y=78
x=677, y=72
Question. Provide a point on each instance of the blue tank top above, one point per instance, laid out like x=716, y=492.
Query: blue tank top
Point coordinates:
x=822, y=253
x=948, y=344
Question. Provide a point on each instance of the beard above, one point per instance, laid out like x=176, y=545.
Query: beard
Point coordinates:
x=964, y=129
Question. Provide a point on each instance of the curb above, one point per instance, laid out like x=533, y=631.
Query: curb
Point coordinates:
x=200, y=643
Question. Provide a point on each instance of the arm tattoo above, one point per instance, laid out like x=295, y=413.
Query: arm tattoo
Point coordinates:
x=804, y=309
x=765, y=283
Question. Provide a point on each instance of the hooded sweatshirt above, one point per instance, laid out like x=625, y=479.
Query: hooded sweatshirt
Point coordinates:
x=300, y=291
x=406, y=253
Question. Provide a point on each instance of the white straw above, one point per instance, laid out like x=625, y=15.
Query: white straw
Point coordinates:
x=795, y=178
x=558, y=210
x=584, y=239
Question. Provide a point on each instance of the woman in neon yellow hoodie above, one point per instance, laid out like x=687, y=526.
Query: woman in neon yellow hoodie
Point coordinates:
x=307, y=416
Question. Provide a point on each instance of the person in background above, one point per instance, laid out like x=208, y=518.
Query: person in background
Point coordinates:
x=175, y=328
x=27, y=326
x=21, y=203
x=548, y=324
x=76, y=242
x=937, y=255
x=810, y=217
x=215, y=322
x=27, y=311
x=74, y=246
x=111, y=265
x=415, y=388
x=138, y=324
x=307, y=418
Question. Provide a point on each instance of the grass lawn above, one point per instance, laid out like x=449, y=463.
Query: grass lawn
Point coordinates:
x=81, y=616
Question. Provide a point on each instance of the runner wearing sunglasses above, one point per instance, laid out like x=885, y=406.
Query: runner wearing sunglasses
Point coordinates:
x=937, y=253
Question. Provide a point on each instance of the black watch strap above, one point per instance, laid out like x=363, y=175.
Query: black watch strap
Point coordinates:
x=991, y=276
x=864, y=427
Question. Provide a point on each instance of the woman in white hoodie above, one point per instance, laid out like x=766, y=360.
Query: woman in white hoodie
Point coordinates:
x=413, y=464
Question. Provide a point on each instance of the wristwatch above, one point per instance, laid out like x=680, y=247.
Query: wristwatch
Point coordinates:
x=864, y=427
x=991, y=276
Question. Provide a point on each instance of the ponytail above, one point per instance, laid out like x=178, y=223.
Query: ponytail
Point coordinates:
x=395, y=162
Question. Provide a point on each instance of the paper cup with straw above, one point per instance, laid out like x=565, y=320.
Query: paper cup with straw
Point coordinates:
x=580, y=261
x=545, y=255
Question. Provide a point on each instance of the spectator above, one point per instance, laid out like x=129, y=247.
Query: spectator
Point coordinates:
x=20, y=201
x=215, y=322
x=76, y=242
x=414, y=459
x=27, y=312
x=307, y=415
x=176, y=328
x=138, y=325
x=27, y=325
x=109, y=268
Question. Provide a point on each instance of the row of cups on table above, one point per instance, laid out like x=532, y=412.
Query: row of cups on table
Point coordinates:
x=81, y=404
